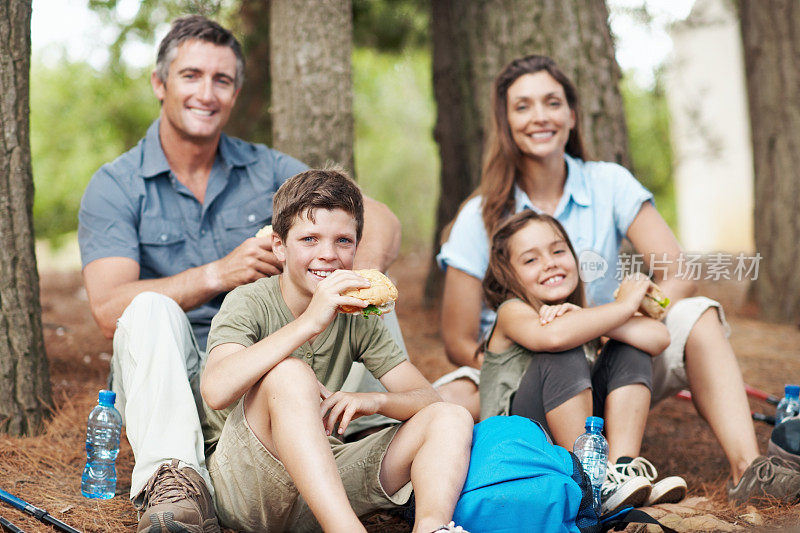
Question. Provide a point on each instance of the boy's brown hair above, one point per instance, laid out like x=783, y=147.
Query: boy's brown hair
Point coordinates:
x=328, y=188
x=500, y=282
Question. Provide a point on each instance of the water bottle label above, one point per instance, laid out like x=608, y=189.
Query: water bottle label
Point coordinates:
x=594, y=465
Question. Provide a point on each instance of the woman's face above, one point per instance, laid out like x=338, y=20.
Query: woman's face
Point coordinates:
x=543, y=263
x=539, y=116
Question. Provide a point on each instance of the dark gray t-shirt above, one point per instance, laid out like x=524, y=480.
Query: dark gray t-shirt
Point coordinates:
x=135, y=207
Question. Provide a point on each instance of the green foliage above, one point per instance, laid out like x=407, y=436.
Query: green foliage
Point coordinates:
x=397, y=161
x=149, y=16
x=80, y=119
x=647, y=117
x=391, y=25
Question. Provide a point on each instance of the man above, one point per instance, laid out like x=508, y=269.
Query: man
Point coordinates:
x=171, y=223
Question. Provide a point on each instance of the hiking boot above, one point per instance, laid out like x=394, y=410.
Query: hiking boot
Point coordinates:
x=669, y=490
x=766, y=478
x=622, y=488
x=785, y=442
x=176, y=500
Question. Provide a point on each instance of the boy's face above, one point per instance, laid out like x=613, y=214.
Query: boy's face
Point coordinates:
x=313, y=250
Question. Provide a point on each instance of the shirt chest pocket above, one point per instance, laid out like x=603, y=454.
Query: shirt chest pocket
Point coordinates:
x=241, y=223
x=162, y=242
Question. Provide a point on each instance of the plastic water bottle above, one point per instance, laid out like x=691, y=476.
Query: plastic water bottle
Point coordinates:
x=99, y=478
x=592, y=451
x=790, y=403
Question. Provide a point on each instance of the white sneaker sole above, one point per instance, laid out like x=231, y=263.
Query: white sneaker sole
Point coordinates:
x=633, y=493
x=668, y=490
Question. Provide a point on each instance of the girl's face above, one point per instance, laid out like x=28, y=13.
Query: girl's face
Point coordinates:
x=539, y=116
x=543, y=263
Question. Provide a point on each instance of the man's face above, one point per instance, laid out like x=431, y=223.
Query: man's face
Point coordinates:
x=199, y=93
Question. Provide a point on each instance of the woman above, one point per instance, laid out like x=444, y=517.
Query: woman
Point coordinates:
x=536, y=160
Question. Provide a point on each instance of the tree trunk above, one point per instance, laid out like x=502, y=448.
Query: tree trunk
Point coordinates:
x=772, y=53
x=312, y=87
x=250, y=118
x=24, y=379
x=473, y=41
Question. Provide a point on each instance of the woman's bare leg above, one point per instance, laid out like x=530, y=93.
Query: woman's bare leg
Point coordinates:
x=717, y=387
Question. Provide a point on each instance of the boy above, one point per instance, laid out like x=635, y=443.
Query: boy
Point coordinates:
x=277, y=349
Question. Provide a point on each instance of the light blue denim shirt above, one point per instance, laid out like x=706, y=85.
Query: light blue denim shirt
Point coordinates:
x=599, y=203
x=135, y=207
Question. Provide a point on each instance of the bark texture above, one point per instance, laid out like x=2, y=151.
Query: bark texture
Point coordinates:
x=473, y=41
x=24, y=379
x=250, y=119
x=771, y=38
x=312, y=87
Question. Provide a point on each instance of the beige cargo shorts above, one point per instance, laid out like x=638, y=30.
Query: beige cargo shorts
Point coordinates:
x=669, y=368
x=254, y=492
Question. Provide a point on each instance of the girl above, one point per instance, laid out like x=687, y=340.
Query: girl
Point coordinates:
x=538, y=361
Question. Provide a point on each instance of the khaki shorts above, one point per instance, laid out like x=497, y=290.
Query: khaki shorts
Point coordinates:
x=669, y=367
x=254, y=492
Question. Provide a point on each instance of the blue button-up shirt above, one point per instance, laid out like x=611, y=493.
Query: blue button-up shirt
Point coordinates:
x=135, y=207
x=599, y=202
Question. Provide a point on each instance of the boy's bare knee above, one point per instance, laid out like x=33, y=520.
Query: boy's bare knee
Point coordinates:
x=447, y=415
x=290, y=374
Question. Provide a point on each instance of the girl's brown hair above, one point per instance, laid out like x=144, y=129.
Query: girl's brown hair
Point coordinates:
x=501, y=282
x=503, y=159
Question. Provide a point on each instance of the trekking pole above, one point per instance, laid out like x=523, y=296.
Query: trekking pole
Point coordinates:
x=38, y=514
x=761, y=395
x=8, y=526
x=758, y=417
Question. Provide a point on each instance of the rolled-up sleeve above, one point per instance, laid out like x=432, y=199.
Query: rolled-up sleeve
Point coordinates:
x=107, y=224
x=629, y=195
x=467, y=247
x=374, y=346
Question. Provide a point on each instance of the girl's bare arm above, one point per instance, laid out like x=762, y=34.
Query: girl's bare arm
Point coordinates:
x=520, y=323
x=642, y=332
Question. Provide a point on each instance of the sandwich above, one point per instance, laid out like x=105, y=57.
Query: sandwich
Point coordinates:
x=266, y=231
x=380, y=295
x=654, y=304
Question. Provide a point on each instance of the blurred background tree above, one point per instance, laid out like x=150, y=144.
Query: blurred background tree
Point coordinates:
x=772, y=52
x=25, y=397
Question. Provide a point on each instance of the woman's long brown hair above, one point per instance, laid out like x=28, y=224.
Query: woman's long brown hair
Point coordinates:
x=503, y=159
x=501, y=282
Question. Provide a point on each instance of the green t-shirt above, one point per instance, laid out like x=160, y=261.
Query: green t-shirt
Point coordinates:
x=253, y=312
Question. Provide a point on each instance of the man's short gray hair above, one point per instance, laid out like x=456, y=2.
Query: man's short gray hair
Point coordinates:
x=196, y=27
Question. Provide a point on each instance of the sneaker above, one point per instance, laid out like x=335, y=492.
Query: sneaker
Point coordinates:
x=767, y=478
x=450, y=528
x=669, y=490
x=622, y=488
x=177, y=500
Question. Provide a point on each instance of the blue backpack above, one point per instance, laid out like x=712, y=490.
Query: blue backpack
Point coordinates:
x=519, y=481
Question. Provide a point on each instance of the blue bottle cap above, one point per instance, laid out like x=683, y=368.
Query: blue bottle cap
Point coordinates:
x=107, y=398
x=594, y=422
x=792, y=391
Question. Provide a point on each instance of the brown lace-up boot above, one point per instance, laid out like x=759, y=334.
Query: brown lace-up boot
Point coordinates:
x=177, y=500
